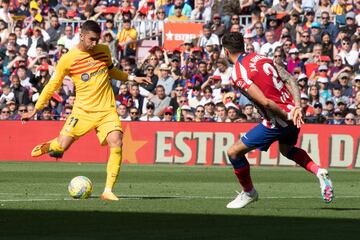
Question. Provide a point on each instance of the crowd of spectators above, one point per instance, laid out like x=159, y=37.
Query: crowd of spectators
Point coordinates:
x=317, y=41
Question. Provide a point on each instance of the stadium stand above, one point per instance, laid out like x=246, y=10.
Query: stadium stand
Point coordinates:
x=177, y=44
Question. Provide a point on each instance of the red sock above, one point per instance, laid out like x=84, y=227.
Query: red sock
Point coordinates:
x=243, y=175
x=299, y=156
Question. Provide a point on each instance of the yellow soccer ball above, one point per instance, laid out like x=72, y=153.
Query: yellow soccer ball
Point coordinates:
x=80, y=187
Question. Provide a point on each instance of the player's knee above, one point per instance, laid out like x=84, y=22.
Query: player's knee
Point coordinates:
x=114, y=139
x=231, y=152
x=115, y=142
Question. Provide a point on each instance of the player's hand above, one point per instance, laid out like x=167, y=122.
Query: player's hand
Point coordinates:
x=145, y=80
x=27, y=116
x=296, y=115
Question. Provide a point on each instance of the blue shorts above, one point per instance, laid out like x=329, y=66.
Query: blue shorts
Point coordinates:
x=261, y=137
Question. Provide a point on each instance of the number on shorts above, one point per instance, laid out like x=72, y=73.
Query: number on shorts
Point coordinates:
x=75, y=120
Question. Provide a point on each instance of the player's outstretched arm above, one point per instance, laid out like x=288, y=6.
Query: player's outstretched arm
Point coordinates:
x=117, y=74
x=140, y=80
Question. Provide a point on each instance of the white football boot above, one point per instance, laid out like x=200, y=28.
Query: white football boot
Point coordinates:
x=243, y=199
x=326, y=187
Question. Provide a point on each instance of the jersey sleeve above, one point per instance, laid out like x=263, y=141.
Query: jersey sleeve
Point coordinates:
x=240, y=77
x=62, y=69
x=114, y=73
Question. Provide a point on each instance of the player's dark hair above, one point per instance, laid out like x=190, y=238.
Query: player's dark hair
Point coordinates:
x=234, y=42
x=92, y=26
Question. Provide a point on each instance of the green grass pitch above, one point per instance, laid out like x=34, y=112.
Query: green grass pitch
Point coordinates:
x=174, y=202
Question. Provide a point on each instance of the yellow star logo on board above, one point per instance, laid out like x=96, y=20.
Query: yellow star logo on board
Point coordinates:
x=130, y=146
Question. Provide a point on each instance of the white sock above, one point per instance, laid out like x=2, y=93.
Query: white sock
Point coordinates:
x=107, y=190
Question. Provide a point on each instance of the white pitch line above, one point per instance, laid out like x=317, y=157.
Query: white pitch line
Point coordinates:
x=220, y=197
x=33, y=200
x=164, y=197
x=31, y=194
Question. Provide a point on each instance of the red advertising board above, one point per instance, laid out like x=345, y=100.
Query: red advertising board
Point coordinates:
x=182, y=143
x=175, y=33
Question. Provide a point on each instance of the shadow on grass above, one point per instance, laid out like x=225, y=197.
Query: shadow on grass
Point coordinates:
x=144, y=197
x=340, y=209
x=30, y=224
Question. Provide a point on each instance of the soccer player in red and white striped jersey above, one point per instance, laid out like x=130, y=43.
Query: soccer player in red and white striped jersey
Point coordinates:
x=276, y=96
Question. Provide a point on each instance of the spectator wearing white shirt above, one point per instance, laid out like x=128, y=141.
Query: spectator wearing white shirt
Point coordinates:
x=7, y=95
x=249, y=40
x=165, y=79
x=207, y=95
x=224, y=71
x=208, y=36
x=214, y=82
x=201, y=12
x=123, y=113
x=194, y=100
x=269, y=47
x=348, y=53
x=149, y=115
x=70, y=39
x=21, y=37
x=4, y=11
x=24, y=79
x=221, y=113
x=39, y=38
x=4, y=31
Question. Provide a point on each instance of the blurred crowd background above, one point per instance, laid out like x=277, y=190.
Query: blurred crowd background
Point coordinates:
x=316, y=40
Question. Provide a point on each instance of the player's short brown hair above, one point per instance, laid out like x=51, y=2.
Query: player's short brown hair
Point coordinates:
x=234, y=42
x=91, y=25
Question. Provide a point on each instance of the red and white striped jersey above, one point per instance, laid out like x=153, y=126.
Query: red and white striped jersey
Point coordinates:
x=260, y=70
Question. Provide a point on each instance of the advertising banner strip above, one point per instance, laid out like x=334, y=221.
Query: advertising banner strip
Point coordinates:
x=182, y=143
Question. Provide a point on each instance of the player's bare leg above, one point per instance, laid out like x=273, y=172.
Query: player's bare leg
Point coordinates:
x=241, y=167
x=55, y=147
x=114, y=140
x=299, y=156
